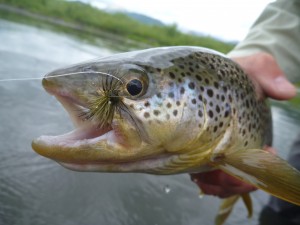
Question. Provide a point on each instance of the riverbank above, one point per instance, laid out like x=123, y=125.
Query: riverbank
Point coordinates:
x=23, y=16
x=85, y=18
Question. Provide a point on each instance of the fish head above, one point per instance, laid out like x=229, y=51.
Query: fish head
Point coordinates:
x=133, y=112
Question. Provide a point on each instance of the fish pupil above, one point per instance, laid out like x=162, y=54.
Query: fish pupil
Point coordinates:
x=134, y=87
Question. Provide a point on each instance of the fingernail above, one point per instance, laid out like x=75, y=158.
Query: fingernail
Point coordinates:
x=284, y=86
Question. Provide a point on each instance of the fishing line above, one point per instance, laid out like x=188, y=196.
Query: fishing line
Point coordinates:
x=20, y=79
x=61, y=75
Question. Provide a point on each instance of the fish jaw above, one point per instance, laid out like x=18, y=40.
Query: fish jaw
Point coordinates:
x=87, y=149
x=89, y=146
x=117, y=147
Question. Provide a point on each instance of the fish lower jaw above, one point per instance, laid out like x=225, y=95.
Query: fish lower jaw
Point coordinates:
x=81, y=138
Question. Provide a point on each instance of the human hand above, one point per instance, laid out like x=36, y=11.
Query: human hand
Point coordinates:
x=264, y=70
x=221, y=184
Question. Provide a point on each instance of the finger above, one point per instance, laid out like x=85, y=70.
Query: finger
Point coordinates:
x=220, y=184
x=216, y=177
x=264, y=70
x=277, y=87
x=270, y=149
x=210, y=189
x=224, y=191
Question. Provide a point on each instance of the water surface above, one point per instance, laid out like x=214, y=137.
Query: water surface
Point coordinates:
x=36, y=190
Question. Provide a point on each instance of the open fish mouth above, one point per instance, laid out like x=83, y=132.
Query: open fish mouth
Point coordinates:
x=90, y=147
x=87, y=147
x=86, y=133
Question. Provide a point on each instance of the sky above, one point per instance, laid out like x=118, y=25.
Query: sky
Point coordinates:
x=225, y=19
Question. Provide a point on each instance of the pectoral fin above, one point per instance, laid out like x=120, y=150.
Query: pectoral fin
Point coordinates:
x=263, y=170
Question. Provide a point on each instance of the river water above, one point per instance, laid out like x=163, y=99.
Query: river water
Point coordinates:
x=36, y=190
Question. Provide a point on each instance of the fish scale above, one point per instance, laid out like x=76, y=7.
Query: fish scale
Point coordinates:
x=165, y=111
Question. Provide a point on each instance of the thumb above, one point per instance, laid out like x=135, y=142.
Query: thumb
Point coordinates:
x=264, y=70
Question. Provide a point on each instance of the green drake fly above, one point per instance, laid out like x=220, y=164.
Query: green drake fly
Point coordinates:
x=166, y=111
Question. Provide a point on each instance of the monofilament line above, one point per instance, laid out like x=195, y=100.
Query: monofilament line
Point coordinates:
x=61, y=75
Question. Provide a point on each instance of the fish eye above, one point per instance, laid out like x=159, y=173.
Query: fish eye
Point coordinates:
x=134, y=87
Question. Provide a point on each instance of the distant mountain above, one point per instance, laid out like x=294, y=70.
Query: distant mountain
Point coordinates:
x=143, y=18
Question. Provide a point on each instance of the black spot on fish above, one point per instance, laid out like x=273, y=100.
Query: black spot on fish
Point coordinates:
x=192, y=85
x=158, y=95
x=222, y=98
x=210, y=92
x=171, y=84
x=156, y=112
x=146, y=115
x=226, y=114
x=216, y=84
x=203, y=61
x=234, y=110
x=230, y=98
x=200, y=114
x=198, y=78
x=147, y=104
x=210, y=114
x=247, y=103
x=217, y=109
x=194, y=101
x=175, y=112
x=215, y=129
x=222, y=72
x=171, y=94
x=169, y=105
x=182, y=90
x=172, y=75
x=244, y=132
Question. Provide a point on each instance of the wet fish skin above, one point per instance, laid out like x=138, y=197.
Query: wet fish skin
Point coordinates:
x=195, y=111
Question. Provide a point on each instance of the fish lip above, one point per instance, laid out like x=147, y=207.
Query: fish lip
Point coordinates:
x=76, y=137
x=61, y=94
x=85, y=132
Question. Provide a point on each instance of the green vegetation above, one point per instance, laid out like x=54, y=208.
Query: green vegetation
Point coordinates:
x=119, y=24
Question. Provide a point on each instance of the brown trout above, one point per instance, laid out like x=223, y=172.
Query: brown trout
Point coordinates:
x=166, y=111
